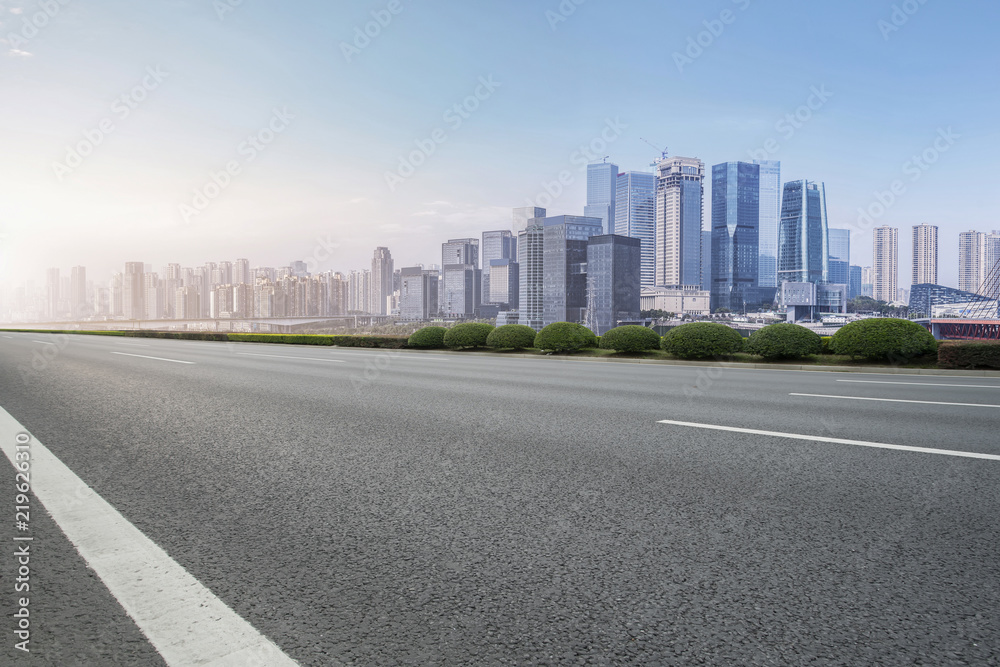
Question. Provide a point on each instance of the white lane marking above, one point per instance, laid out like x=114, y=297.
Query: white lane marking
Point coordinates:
x=838, y=441
x=390, y=355
x=8, y=336
x=184, y=621
x=143, y=356
x=898, y=400
x=43, y=342
x=282, y=356
x=926, y=384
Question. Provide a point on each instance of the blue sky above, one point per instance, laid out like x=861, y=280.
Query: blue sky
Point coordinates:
x=559, y=76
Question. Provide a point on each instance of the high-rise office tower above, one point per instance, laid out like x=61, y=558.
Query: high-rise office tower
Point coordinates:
x=770, y=220
x=706, y=261
x=735, y=224
x=523, y=215
x=679, y=199
x=803, y=239
x=602, y=187
x=635, y=216
x=840, y=256
x=971, y=260
x=854, y=282
x=500, y=244
x=418, y=293
x=885, y=263
x=530, y=254
x=78, y=293
x=613, y=281
x=925, y=254
x=503, y=283
x=991, y=266
x=461, y=296
x=564, y=262
x=867, y=281
x=53, y=286
x=382, y=271
x=133, y=287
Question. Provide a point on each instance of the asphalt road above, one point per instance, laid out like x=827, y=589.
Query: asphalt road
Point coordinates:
x=403, y=508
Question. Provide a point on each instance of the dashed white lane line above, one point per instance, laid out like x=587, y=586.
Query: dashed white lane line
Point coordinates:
x=897, y=400
x=926, y=384
x=838, y=441
x=282, y=356
x=184, y=621
x=144, y=356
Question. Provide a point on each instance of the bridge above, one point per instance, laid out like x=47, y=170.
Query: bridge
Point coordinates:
x=233, y=325
x=963, y=329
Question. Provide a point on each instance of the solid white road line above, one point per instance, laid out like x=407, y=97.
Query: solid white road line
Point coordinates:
x=897, y=400
x=838, y=441
x=143, y=356
x=43, y=342
x=926, y=384
x=282, y=356
x=182, y=619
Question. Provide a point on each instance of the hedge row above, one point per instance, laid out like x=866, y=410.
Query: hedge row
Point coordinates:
x=968, y=355
x=385, y=342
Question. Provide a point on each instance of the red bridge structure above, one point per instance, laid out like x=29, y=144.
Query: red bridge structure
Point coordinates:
x=978, y=329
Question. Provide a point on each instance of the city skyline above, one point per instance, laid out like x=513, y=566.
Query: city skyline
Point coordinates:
x=108, y=142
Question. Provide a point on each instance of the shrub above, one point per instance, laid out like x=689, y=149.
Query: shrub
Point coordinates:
x=630, y=338
x=468, y=334
x=784, y=341
x=962, y=354
x=511, y=337
x=392, y=342
x=702, y=340
x=565, y=337
x=825, y=344
x=883, y=339
x=427, y=338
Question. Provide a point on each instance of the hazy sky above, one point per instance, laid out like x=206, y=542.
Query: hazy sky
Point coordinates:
x=113, y=114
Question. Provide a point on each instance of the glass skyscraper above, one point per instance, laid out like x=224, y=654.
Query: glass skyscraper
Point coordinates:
x=803, y=238
x=501, y=244
x=564, y=267
x=770, y=218
x=613, y=270
x=840, y=256
x=601, y=190
x=635, y=216
x=735, y=244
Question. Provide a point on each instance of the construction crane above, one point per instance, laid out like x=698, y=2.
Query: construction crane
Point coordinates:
x=663, y=153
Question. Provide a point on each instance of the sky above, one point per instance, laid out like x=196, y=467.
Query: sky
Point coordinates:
x=182, y=131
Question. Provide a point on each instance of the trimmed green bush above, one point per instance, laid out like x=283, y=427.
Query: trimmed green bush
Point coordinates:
x=565, y=337
x=427, y=338
x=825, y=344
x=784, y=341
x=468, y=334
x=883, y=339
x=511, y=337
x=702, y=340
x=968, y=354
x=630, y=338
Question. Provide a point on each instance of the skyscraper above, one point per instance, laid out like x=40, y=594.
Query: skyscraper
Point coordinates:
x=133, y=286
x=770, y=220
x=530, y=255
x=635, y=216
x=601, y=190
x=78, y=293
x=418, y=293
x=735, y=225
x=840, y=256
x=925, y=254
x=885, y=263
x=971, y=261
x=613, y=286
x=496, y=245
x=679, y=199
x=523, y=215
x=53, y=287
x=854, y=289
x=503, y=283
x=564, y=262
x=991, y=266
x=803, y=240
x=381, y=280
x=460, y=267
